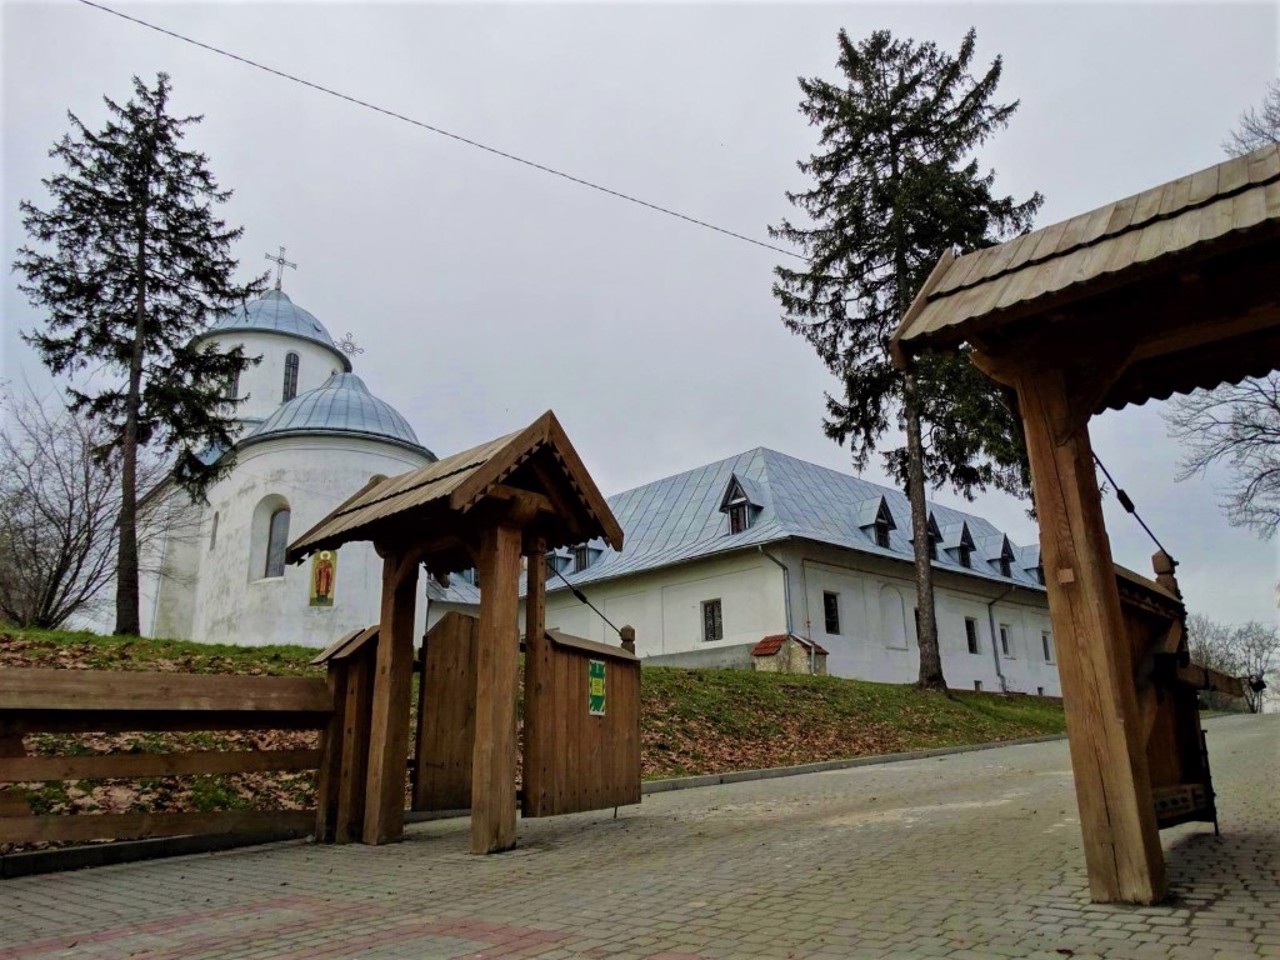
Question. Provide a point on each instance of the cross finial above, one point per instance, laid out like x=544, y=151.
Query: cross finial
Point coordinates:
x=280, y=263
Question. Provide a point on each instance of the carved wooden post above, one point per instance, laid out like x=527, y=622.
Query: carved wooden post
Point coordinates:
x=493, y=770
x=628, y=639
x=537, y=665
x=1113, y=788
x=389, y=727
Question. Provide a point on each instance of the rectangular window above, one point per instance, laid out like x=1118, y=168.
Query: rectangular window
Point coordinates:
x=739, y=519
x=581, y=559
x=1039, y=691
x=831, y=611
x=1046, y=641
x=971, y=633
x=712, y=621
x=1006, y=640
x=882, y=535
x=977, y=686
x=966, y=557
x=1006, y=570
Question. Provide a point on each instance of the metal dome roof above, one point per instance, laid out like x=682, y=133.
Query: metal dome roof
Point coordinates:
x=342, y=405
x=276, y=313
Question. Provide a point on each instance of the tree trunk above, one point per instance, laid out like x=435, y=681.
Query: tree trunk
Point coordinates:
x=127, y=618
x=931, y=677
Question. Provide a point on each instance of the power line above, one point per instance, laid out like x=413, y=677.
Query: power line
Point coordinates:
x=444, y=133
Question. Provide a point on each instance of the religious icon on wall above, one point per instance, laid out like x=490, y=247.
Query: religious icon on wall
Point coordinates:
x=324, y=571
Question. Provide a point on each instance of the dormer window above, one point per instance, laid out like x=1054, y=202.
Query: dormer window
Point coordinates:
x=581, y=559
x=1006, y=567
x=934, y=536
x=958, y=542
x=874, y=519
x=1040, y=574
x=737, y=503
x=882, y=534
x=965, y=556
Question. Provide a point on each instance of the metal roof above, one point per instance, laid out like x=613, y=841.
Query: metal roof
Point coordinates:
x=678, y=519
x=987, y=288
x=276, y=313
x=344, y=406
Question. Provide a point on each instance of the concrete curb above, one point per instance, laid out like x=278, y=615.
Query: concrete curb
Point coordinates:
x=770, y=773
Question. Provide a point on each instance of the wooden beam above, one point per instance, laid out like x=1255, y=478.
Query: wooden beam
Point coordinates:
x=1113, y=789
x=493, y=769
x=136, y=826
x=537, y=679
x=389, y=717
x=125, y=766
x=88, y=691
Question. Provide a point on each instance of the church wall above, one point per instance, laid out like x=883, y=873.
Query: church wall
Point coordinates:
x=234, y=601
x=263, y=385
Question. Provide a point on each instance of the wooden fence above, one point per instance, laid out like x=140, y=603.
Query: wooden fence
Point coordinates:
x=36, y=701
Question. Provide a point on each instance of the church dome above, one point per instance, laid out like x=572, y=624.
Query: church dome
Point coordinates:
x=276, y=313
x=342, y=406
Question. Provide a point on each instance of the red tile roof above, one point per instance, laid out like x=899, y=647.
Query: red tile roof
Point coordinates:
x=771, y=645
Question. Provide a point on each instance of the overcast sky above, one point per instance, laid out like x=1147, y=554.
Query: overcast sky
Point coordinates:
x=484, y=292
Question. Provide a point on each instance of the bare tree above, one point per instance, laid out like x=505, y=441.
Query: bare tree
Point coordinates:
x=1258, y=126
x=1250, y=651
x=1238, y=425
x=59, y=511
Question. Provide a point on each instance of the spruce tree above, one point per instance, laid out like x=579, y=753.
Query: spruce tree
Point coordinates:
x=129, y=263
x=894, y=185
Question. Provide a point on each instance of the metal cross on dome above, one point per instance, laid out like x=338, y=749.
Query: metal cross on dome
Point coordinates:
x=280, y=263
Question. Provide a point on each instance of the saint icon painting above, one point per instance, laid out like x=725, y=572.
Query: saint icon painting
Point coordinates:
x=324, y=571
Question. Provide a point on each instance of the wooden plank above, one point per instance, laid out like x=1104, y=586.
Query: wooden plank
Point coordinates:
x=137, y=826
x=155, y=721
x=1121, y=842
x=329, y=773
x=493, y=768
x=81, y=691
x=353, y=770
x=591, y=648
x=389, y=713
x=1206, y=678
x=446, y=730
x=536, y=687
x=126, y=766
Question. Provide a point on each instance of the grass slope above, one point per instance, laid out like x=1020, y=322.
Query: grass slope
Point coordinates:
x=692, y=721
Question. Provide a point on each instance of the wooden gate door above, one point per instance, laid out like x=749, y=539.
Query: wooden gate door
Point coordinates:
x=446, y=715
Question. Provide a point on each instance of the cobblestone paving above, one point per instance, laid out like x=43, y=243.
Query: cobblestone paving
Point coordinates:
x=973, y=855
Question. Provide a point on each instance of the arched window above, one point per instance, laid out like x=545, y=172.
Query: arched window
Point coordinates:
x=213, y=532
x=277, y=541
x=268, y=538
x=290, y=377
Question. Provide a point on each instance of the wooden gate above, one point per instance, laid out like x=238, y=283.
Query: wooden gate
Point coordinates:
x=581, y=736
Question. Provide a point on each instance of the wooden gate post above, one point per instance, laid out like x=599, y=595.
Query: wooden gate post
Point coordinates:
x=1113, y=787
x=537, y=665
x=493, y=768
x=389, y=725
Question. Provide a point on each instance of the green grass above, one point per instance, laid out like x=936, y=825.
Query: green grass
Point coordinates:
x=692, y=721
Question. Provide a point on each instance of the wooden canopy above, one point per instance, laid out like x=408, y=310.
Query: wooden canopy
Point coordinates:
x=1168, y=290
x=1173, y=289
x=433, y=507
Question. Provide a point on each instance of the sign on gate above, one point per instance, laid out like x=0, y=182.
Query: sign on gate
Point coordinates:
x=595, y=688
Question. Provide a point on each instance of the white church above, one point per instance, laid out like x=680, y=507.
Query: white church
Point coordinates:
x=716, y=559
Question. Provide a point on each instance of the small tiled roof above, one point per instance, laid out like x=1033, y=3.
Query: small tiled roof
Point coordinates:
x=341, y=405
x=276, y=313
x=771, y=645
x=997, y=285
x=452, y=486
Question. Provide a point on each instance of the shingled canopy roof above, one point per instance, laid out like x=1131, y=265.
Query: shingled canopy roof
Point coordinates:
x=442, y=502
x=1126, y=281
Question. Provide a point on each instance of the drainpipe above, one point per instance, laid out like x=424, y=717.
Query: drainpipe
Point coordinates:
x=995, y=644
x=786, y=584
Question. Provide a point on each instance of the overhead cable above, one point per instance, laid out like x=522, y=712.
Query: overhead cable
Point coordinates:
x=444, y=133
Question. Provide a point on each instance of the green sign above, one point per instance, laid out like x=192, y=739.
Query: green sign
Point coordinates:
x=595, y=688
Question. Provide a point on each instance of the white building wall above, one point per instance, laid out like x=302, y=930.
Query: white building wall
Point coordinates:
x=232, y=601
x=262, y=386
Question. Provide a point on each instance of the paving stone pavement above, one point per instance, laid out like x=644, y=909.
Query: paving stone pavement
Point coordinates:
x=966, y=856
